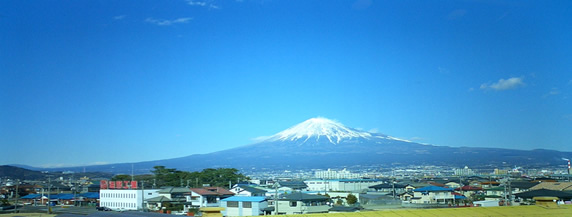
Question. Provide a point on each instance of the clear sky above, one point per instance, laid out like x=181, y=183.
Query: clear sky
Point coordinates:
x=89, y=82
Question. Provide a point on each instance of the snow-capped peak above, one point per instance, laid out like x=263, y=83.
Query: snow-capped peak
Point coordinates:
x=320, y=127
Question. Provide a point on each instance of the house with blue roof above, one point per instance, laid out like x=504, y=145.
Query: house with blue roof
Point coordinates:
x=31, y=199
x=244, y=206
x=433, y=195
x=87, y=198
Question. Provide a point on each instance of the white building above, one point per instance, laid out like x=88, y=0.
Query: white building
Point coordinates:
x=125, y=199
x=486, y=203
x=334, y=174
x=346, y=185
x=464, y=172
x=244, y=206
x=433, y=195
x=208, y=196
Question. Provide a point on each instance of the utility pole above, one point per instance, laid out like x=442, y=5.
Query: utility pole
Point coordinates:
x=143, y=196
x=17, y=186
x=74, y=192
x=393, y=186
x=275, y=198
x=49, y=192
x=568, y=170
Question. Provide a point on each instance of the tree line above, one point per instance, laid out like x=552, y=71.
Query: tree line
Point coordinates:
x=162, y=177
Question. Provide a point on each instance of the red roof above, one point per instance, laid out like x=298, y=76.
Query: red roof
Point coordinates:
x=438, y=184
x=469, y=188
x=490, y=183
x=212, y=191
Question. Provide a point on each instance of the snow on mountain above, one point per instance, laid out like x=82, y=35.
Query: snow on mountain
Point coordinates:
x=317, y=128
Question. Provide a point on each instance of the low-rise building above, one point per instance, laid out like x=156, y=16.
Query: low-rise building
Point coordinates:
x=347, y=185
x=125, y=199
x=247, y=190
x=173, y=195
x=433, y=195
x=390, y=188
x=335, y=174
x=244, y=206
x=208, y=196
x=557, y=186
x=292, y=185
x=300, y=203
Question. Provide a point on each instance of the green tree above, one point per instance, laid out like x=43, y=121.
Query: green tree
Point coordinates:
x=351, y=199
x=339, y=202
x=121, y=177
x=213, y=177
x=163, y=176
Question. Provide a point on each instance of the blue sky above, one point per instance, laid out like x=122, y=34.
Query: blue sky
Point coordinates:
x=90, y=82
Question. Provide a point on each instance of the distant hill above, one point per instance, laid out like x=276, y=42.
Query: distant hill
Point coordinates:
x=14, y=172
x=322, y=143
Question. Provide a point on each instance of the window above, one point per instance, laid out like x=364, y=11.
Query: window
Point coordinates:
x=293, y=204
x=246, y=204
x=232, y=204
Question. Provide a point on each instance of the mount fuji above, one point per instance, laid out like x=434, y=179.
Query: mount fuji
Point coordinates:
x=323, y=143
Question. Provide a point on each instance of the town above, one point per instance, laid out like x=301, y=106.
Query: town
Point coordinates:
x=285, y=192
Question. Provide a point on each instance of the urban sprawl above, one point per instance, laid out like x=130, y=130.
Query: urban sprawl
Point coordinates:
x=295, y=191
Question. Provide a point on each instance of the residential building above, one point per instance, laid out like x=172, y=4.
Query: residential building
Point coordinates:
x=521, y=186
x=291, y=185
x=453, y=185
x=557, y=186
x=247, y=190
x=208, y=196
x=173, y=195
x=244, y=206
x=389, y=188
x=469, y=190
x=433, y=195
x=301, y=203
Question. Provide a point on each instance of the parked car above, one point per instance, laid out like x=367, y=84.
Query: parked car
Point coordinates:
x=102, y=208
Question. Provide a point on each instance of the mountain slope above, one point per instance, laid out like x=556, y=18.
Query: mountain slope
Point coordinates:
x=323, y=143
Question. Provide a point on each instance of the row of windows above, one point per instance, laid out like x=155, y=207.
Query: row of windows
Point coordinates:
x=118, y=204
x=118, y=195
x=235, y=204
x=319, y=183
x=313, y=203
